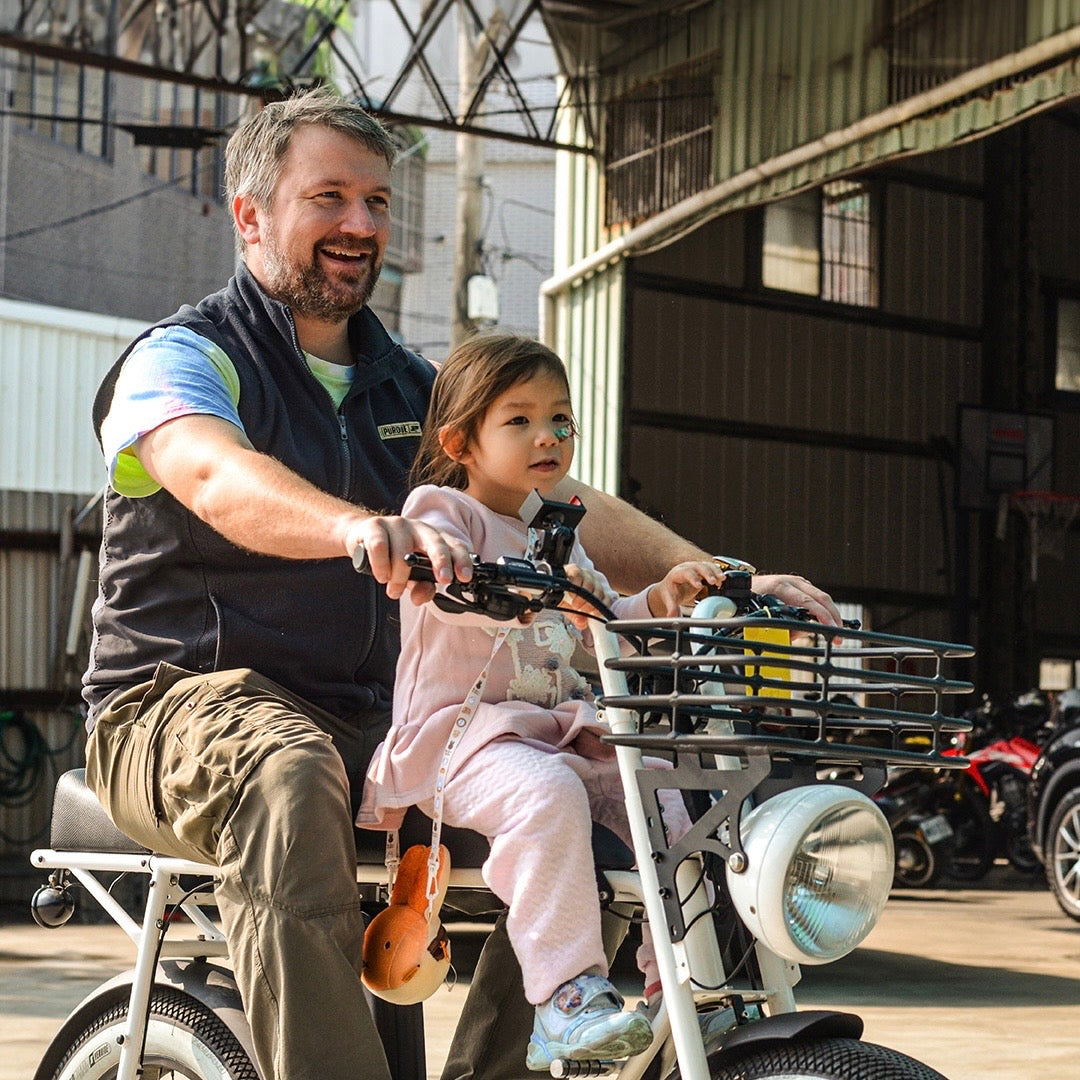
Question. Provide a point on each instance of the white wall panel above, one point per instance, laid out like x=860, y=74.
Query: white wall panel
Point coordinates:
x=51, y=361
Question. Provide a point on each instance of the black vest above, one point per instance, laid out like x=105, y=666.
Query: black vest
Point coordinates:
x=172, y=589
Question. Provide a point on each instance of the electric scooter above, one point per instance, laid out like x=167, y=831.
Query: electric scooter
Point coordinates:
x=782, y=866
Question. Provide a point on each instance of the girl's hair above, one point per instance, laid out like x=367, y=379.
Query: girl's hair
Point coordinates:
x=467, y=384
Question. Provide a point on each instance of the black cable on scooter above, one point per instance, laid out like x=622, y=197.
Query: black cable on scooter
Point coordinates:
x=163, y=927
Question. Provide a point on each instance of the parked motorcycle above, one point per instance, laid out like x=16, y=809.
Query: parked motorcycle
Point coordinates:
x=781, y=867
x=922, y=834
x=986, y=804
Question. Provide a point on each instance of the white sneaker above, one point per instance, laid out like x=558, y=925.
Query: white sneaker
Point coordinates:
x=713, y=1022
x=584, y=1021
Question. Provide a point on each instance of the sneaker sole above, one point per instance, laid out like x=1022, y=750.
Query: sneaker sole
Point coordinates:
x=636, y=1038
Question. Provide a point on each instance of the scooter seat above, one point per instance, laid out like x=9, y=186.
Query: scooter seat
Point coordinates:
x=468, y=849
x=79, y=822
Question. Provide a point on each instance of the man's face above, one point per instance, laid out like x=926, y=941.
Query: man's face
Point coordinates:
x=320, y=248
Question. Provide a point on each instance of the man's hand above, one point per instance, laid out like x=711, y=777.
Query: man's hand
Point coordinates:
x=798, y=592
x=387, y=540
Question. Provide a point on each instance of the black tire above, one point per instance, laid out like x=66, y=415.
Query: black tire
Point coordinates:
x=975, y=836
x=916, y=864
x=184, y=1039
x=1021, y=854
x=822, y=1059
x=1062, y=852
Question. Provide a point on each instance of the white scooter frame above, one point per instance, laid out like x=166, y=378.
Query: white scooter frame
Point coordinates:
x=691, y=967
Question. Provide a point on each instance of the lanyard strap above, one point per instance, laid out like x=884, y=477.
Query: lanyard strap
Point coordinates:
x=461, y=723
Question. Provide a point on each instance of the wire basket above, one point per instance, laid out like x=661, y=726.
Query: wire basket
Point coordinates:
x=795, y=689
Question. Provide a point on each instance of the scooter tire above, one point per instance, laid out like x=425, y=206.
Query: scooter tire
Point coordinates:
x=822, y=1059
x=185, y=1040
x=916, y=864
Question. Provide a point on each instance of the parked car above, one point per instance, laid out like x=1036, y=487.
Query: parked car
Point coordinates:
x=1054, y=806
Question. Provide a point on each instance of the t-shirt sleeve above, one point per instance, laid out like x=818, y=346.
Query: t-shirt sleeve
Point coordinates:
x=170, y=373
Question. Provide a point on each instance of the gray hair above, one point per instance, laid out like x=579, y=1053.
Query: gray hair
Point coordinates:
x=257, y=149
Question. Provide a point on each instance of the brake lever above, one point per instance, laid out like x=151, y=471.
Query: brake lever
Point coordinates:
x=490, y=598
x=491, y=591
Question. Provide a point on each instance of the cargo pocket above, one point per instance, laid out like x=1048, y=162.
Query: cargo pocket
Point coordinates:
x=215, y=737
x=121, y=755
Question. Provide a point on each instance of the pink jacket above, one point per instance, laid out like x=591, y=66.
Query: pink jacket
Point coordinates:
x=532, y=693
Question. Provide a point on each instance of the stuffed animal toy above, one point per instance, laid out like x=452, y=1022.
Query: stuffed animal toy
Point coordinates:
x=407, y=955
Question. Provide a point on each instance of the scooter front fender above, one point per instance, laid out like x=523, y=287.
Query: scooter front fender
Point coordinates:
x=790, y=1027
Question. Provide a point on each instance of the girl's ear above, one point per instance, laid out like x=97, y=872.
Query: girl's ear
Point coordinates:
x=452, y=440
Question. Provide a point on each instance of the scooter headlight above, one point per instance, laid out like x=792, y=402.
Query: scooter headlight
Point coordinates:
x=818, y=873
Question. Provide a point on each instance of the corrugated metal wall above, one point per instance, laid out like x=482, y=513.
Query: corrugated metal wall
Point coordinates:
x=51, y=361
x=787, y=73
x=588, y=321
x=728, y=363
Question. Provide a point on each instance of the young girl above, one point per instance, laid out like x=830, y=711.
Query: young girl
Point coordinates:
x=529, y=771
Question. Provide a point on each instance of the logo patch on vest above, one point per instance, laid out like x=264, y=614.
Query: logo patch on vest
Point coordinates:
x=406, y=429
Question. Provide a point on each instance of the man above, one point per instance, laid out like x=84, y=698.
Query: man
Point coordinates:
x=241, y=671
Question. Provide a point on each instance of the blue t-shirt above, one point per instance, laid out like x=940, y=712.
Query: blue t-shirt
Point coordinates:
x=175, y=372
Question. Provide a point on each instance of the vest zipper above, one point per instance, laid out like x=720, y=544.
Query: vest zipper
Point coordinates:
x=347, y=453
x=345, y=447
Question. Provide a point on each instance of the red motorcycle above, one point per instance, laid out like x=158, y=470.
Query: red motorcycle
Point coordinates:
x=986, y=804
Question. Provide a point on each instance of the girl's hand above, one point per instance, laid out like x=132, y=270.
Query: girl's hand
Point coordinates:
x=681, y=585
x=587, y=579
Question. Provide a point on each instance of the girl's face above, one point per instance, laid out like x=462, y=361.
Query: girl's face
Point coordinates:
x=525, y=441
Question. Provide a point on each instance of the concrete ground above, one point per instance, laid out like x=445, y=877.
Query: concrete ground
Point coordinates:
x=979, y=983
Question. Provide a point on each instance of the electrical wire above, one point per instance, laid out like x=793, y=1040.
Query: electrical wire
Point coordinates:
x=94, y=211
x=26, y=763
x=24, y=755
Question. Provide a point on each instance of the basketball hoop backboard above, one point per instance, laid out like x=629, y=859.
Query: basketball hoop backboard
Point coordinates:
x=1001, y=453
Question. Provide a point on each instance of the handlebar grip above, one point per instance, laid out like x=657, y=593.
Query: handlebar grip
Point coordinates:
x=419, y=565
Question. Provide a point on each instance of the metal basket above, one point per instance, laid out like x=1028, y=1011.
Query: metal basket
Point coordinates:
x=795, y=689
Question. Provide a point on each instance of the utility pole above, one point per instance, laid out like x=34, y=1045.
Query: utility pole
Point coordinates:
x=474, y=45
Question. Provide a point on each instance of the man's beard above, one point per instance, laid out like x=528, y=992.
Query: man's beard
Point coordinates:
x=306, y=289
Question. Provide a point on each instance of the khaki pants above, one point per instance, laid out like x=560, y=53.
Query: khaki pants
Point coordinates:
x=231, y=769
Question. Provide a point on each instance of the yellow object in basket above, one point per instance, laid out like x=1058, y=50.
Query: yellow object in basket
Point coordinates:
x=767, y=635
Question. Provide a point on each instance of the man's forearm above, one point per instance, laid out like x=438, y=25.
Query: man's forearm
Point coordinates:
x=632, y=549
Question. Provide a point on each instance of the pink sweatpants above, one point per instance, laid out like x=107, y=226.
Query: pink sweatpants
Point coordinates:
x=536, y=808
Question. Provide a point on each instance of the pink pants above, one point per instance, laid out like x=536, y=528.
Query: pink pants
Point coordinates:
x=536, y=807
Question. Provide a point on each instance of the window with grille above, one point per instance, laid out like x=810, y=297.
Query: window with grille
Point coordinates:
x=824, y=243
x=67, y=103
x=183, y=110
x=406, y=247
x=929, y=42
x=658, y=146
x=1067, y=345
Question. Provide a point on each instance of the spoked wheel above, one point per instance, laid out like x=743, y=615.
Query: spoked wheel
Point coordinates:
x=1063, y=854
x=184, y=1041
x=916, y=864
x=824, y=1059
